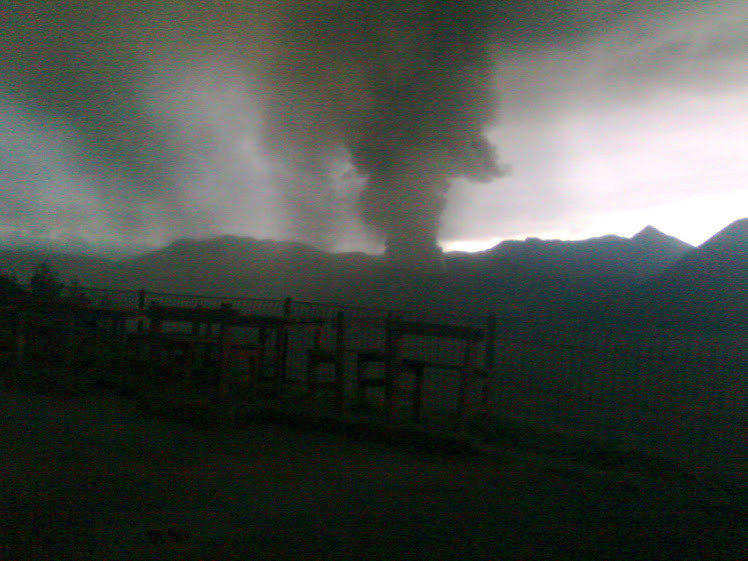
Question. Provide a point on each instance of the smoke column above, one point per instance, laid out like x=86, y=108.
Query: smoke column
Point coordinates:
x=404, y=88
x=407, y=87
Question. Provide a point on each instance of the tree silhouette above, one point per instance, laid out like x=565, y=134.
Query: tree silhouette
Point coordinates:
x=45, y=282
x=10, y=289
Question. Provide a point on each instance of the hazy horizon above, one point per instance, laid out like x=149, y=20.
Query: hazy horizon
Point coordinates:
x=121, y=252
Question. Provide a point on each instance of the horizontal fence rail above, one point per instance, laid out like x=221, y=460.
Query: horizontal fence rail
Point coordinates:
x=676, y=393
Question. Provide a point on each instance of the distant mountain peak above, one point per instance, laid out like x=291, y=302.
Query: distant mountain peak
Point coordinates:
x=649, y=232
x=652, y=237
x=707, y=286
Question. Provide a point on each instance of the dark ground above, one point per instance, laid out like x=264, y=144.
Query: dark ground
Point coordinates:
x=89, y=477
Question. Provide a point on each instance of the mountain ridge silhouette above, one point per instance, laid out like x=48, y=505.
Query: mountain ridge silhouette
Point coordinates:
x=706, y=288
x=597, y=277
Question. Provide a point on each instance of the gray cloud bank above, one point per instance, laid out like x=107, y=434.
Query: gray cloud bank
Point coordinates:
x=164, y=118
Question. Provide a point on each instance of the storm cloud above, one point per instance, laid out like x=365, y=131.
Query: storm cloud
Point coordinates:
x=165, y=115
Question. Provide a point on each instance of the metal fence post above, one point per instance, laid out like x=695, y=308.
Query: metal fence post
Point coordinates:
x=282, y=348
x=339, y=360
x=141, y=307
x=490, y=364
x=21, y=339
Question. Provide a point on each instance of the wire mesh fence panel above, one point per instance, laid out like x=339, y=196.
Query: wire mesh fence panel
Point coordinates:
x=184, y=300
x=440, y=318
x=259, y=307
x=104, y=298
x=300, y=340
x=667, y=393
x=314, y=310
x=243, y=305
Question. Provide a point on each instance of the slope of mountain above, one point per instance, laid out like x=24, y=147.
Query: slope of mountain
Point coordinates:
x=227, y=265
x=707, y=287
x=549, y=276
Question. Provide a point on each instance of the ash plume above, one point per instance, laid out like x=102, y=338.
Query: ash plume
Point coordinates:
x=405, y=88
x=408, y=88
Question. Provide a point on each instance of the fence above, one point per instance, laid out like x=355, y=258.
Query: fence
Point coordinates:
x=676, y=393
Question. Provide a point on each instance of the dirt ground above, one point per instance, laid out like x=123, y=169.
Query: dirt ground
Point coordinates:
x=89, y=477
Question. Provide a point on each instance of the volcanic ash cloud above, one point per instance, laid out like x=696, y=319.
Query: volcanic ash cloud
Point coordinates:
x=404, y=88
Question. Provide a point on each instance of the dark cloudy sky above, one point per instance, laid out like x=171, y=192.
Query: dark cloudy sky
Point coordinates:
x=132, y=123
